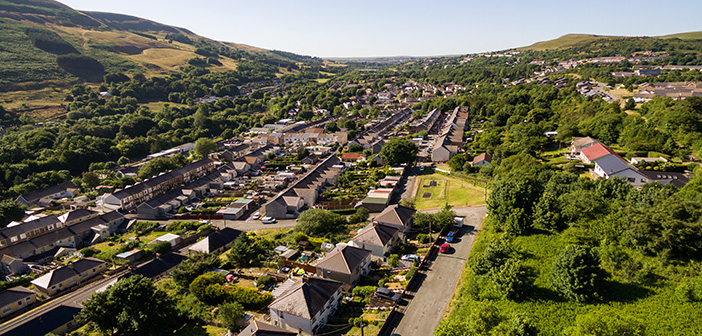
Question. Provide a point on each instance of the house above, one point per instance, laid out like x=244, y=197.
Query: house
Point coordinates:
x=352, y=157
x=159, y=265
x=677, y=180
x=345, y=263
x=258, y=328
x=613, y=166
x=482, y=160
x=59, y=321
x=16, y=299
x=397, y=216
x=44, y=197
x=66, y=277
x=595, y=151
x=12, y=266
x=306, y=305
x=380, y=239
x=216, y=241
x=579, y=143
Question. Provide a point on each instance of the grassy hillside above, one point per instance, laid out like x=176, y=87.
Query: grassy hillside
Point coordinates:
x=685, y=36
x=565, y=41
x=44, y=40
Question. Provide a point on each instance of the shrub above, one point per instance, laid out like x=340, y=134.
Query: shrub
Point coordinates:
x=364, y=291
x=87, y=252
x=394, y=260
x=249, y=297
x=411, y=273
x=263, y=281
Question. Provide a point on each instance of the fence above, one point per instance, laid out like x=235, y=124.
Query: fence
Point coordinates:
x=307, y=268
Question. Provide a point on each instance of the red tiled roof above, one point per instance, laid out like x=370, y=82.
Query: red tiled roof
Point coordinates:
x=596, y=151
x=352, y=156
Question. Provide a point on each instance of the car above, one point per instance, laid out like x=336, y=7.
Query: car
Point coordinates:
x=444, y=248
x=450, y=236
x=409, y=257
x=458, y=222
x=383, y=293
x=268, y=220
x=255, y=216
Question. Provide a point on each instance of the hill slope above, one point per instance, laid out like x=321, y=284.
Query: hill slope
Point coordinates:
x=44, y=40
x=570, y=40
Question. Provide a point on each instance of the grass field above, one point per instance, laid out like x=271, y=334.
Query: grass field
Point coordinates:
x=449, y=190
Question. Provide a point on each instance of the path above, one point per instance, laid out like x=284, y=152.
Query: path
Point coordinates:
x=430, y=295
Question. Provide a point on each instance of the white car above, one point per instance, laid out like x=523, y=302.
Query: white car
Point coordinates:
x=268, y=220
x=255, y=216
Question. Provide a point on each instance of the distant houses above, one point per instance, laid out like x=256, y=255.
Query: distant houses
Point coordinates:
x=66, y=277
x=44, y=197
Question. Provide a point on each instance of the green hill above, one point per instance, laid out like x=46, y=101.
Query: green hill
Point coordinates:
x=565, y=41
x=44, y=40
x=684, y=36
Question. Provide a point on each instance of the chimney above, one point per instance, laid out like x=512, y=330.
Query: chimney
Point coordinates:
x=305, y=279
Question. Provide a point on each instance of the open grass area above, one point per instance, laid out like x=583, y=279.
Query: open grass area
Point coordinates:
x=654, y=306
x=166, y=58
x=442, y=189
x=565, y=41
x=192, y=329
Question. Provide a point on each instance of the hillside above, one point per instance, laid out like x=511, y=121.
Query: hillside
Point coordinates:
x=570, y=40
x=44, y=40
x=565, y=41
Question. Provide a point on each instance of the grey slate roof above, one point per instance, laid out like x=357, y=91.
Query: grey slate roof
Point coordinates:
x=376, y=234
x=34, y=196
x=612, y=164
x=14, y=294
x=47, y=322
x=258, y=328
x=344, y=259
x=395, y=214
x=306, y=297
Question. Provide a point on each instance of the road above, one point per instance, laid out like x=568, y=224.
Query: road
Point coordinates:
x=79, y=296
x=243, y=225
x=430, y=295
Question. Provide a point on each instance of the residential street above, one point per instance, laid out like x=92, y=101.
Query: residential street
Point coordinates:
x=437, y=281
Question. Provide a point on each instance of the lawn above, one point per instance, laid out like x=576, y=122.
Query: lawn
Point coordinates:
x=192, y=329
x=444, y=190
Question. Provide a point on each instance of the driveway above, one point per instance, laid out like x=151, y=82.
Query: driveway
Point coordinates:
x=430, y=295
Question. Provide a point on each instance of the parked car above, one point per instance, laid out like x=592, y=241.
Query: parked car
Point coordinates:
x=409, y=257
x=268, y=220
x=450, y=236
x=458, y=222
x=383, y=293
x=444, y=248
x=255, y=216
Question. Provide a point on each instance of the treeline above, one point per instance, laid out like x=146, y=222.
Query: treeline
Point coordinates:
x=49, y=41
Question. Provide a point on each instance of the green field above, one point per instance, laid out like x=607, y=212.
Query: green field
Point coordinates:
x=449, y=190
x=564, y=41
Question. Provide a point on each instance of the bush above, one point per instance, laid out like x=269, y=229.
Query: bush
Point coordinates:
x=411, y=273
x=263, y=281
x=423, y=238
x=394, y=260
x=87, y=252
x=364, y=291
x=249, y=297
x=161, y=247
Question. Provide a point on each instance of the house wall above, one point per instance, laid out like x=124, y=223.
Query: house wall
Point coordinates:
x=292, y=322
x=17, y=305
x=275, y=210
x=481, y=163
x=440, y=154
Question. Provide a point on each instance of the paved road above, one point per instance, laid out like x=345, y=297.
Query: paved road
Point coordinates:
x=243, y=225
x=438, y=281
x=79, y=296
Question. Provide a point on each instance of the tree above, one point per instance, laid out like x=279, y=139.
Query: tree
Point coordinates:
x=195, y=265
x=208, y=288
x=630, y=104
x=10, y=211
x=123, y=160
x=576, y=273
x=512, y=279
x=302, y=153
x=318, y=222
x=456, y=162
x=422, y=220
x=361, y=215
x=204, y=146
x=398, y=151
x=132, y=306
x=394, y=260
x=245, y=251
x=90, y=180
x=230, y=313
x=161, y=247
x=444, y=218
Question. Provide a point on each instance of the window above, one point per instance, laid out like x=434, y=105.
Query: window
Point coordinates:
x=13, y=239
x=631, y=179
x=19, y=303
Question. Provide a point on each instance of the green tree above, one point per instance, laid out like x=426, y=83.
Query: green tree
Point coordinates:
x=444, y=218
x=245, y=251
x=630, y=104
x=208, y=288
x=512, y=280
x=132, y=306
x=398, y=151
x=192, y=267
x=123, y=160
x=302, y=153
x=576, y=273
x=394, y=260
x=161, y=247
x=606, y=322
x=318, y=222
x=204, y=146
x=10, y=211
x=230, y=313
x=90, y=180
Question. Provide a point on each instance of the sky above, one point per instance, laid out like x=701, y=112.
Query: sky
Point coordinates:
x=363, y=28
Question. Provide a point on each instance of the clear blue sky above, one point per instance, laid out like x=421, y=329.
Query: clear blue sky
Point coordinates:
x=365, y=28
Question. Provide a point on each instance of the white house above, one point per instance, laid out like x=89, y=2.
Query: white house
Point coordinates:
x=306, y=305
x=612, y=166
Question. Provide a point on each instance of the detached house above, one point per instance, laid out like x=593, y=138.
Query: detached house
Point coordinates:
x=306, y=305
x=613, y=166
x=482, y=160
x=44, y=197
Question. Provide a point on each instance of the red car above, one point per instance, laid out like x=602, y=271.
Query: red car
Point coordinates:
x=444, y=248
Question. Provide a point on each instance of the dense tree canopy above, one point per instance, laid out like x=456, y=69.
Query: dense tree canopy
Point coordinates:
x=398, y=151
